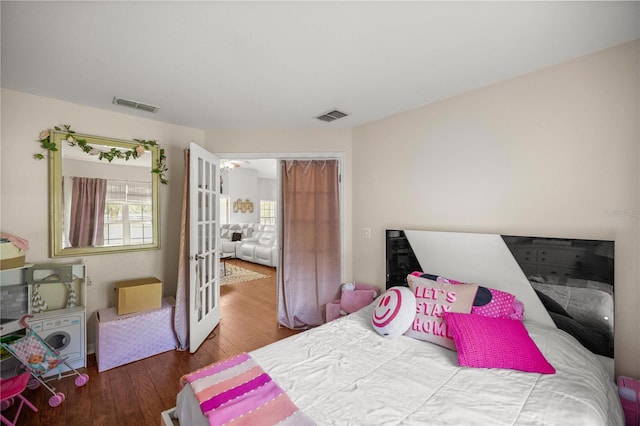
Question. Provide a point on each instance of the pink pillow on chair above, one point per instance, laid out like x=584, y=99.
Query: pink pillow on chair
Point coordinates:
x=354, y=300
x=485, y=342
x=351, y=301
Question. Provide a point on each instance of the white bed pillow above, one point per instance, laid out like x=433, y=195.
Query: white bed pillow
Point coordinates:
x=394, y=312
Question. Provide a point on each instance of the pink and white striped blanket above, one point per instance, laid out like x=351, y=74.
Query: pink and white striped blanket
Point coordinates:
x=237, y=391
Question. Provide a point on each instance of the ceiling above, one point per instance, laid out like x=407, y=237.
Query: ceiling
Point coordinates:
x=266, y=167
x=258, y=65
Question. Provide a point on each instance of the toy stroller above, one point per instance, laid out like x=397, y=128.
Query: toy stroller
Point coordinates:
x=38, y=357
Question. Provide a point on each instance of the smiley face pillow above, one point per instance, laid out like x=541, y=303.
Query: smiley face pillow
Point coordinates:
x=394, y=312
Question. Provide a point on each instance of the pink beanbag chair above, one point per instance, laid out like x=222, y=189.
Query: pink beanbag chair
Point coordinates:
x=354, y=296
x=354, y=300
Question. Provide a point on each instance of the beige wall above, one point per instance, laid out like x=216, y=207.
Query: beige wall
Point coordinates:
x=303, y=141
x=551, y=153
x=24, y=196
x=23, y=181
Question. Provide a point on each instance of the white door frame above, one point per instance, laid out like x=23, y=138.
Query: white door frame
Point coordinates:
x=340, y=156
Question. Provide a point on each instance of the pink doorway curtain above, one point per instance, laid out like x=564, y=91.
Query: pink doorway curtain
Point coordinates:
x=88, y=197
x=310, y=265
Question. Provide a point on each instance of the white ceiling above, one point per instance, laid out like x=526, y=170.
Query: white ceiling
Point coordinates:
x=250, y=65
x=266, y=167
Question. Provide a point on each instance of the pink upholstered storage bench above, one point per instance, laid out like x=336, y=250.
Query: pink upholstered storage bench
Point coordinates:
x=121, y=339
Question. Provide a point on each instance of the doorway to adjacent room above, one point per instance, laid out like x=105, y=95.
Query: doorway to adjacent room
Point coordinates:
x=254, y=182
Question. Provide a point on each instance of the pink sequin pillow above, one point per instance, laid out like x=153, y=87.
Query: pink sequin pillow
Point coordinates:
x=493, y=303
x=484, y=342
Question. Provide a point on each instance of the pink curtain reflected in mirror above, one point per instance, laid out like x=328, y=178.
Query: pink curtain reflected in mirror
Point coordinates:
x=88, y=197
x=311, y=252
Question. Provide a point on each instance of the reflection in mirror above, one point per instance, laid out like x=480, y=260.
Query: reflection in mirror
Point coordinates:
x=97, y=206
x=574, y=279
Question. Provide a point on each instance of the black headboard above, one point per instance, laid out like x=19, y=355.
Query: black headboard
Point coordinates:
x=572, y=278
x=401, y=260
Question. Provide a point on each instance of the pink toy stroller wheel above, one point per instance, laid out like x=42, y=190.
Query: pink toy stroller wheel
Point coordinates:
x=81, y=380
x=56, y=399
x=33, y=384
x=6, y=403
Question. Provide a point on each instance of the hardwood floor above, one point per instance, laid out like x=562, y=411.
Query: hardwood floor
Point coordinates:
x=136, y=393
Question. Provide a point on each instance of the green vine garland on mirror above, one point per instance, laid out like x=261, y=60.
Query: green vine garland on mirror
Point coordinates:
x=47, y=145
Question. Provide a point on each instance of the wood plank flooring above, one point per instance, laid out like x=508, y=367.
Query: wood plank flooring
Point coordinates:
x=136, y=393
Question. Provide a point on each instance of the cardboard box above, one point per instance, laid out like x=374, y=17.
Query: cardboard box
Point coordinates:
x=11, y=256
x=139, y=295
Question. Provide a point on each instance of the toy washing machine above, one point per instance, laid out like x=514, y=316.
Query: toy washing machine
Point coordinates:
x=66, y=333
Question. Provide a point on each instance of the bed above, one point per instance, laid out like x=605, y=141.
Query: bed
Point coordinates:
x=346, y=373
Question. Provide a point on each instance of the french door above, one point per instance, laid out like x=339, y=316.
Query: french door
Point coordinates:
x=204, y=257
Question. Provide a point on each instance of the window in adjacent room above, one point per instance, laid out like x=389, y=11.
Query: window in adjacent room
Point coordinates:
x=267, y=212
x=128, y=213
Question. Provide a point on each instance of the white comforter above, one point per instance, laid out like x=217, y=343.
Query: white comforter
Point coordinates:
x=344, y=373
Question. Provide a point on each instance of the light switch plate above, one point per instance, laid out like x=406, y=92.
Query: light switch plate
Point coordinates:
x=366, y=233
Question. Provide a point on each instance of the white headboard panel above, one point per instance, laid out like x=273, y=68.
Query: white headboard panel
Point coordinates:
x=484, y=259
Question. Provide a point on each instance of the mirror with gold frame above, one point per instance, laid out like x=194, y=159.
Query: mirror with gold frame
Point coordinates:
x=97, y=206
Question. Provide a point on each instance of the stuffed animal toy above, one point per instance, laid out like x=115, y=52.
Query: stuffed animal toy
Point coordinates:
x=353, y=297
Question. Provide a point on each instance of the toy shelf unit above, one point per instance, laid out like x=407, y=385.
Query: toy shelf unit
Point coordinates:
x=35, y=289
x=54, y=294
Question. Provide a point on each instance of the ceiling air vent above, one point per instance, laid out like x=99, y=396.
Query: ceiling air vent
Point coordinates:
x=332, y=115
x=135, y=105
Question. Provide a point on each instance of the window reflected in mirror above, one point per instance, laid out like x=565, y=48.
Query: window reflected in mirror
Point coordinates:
x=99, y=206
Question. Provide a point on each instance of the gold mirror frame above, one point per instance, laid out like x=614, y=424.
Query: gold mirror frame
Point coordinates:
x=56, y=204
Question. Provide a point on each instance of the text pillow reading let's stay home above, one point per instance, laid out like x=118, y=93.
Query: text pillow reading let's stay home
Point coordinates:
x=433, y=299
